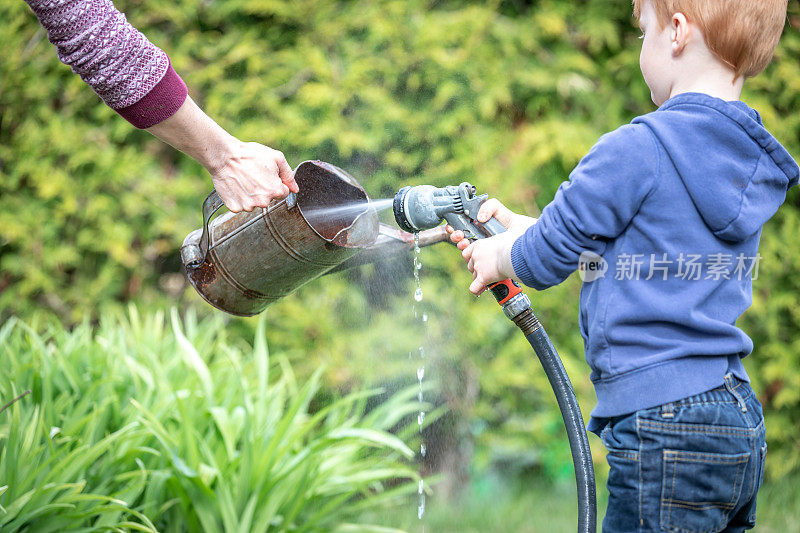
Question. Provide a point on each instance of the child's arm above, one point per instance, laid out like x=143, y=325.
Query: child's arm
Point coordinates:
x=598, y=202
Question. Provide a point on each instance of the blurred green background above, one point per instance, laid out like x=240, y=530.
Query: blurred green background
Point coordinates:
x=506, y=94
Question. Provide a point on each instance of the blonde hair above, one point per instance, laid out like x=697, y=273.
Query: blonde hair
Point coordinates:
x=741, y=33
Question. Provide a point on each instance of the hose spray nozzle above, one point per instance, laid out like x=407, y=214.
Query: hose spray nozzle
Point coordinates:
x=424, y=206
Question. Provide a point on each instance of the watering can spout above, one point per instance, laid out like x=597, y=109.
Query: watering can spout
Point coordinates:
x=392, y=242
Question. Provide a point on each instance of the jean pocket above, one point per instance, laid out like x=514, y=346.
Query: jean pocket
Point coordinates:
x=699, y=491
x=615, y=443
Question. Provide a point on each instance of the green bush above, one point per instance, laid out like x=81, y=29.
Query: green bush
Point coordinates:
x=508, y=95
x=151, y=424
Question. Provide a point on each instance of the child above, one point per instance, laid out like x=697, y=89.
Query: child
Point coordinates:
x=664, y=217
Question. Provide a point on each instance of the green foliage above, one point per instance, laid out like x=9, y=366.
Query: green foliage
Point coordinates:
x=145, y=423
x=508, y=95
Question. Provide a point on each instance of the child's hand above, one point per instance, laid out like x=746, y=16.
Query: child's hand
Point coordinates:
x=515, y=222
x=489, y=259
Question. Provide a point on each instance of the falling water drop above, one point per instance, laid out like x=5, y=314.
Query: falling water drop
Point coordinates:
x=420, y=368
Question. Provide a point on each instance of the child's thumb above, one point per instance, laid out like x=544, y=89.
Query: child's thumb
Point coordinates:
x=493, y=208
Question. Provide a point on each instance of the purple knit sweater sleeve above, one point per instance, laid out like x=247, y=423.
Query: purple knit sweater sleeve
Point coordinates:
x=132, y=75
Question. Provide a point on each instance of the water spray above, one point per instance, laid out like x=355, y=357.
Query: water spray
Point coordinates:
x=423, y=207
x=242, y=262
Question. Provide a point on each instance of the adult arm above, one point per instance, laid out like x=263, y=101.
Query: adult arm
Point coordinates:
x=237, y=168
x=135, y=78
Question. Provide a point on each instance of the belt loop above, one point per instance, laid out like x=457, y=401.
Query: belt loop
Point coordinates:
x=729, y=387
x=666, y=411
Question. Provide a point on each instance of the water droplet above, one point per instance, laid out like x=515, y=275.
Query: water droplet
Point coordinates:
x=421, y=352
x=418, y=294
x=421, y=418
x=419, y=489
x=424, y=317
x=422, y=450
x=417, y=263
x=420, y=373
x=421, y=508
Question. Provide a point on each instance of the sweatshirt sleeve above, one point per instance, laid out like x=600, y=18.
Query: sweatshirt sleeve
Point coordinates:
x=595, y=205
x=132, y=75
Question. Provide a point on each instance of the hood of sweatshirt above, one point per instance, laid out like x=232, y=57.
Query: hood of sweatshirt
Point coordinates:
x=737, y=174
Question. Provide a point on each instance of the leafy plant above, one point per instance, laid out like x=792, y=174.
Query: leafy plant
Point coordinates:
x=148, y=424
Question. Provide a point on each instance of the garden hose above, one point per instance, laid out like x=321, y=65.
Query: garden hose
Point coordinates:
x=517, y=306
x=423, y=207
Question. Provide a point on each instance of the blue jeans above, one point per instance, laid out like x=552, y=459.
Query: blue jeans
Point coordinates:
x=689, y=466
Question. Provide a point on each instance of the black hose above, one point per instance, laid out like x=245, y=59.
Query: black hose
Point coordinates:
x=573, y=420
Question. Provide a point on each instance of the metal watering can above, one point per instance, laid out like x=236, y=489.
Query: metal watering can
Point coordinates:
x=242, y=262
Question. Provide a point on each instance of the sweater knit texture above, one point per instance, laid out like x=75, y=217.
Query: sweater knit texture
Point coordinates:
x=132, y=75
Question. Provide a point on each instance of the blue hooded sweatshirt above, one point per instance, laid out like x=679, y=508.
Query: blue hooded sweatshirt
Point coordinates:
x=671, y=206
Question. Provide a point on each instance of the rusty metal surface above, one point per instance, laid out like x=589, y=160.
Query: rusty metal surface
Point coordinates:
x=258, y=257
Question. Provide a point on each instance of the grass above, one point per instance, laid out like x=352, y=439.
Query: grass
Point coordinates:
x=490, y=505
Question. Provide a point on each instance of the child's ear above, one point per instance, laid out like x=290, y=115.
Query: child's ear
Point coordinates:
x=679, y=33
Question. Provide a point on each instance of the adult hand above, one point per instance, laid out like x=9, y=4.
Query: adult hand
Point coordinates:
x=489, y=259
x=246, y=174
x=252, y=175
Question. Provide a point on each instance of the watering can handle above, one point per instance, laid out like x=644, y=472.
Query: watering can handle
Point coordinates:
x=211, y=204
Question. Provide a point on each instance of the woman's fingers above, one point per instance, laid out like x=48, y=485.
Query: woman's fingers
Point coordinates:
x=285, y=172
x=253, y=176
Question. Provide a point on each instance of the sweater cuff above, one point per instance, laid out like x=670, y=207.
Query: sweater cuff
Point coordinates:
x=519, y=264
x=159, y=104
